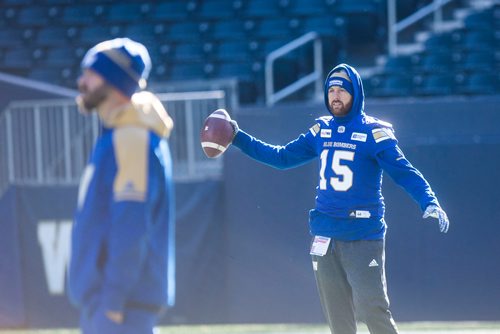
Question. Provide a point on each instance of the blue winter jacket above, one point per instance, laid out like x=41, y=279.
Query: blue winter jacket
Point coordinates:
x=353, y=151
x=122, y=251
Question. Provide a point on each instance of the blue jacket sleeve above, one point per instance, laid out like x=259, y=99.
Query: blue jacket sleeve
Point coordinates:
x=393, y=161
x=293, y=154
x=126, y=253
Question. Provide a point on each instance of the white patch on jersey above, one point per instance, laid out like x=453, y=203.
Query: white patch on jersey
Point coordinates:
x=314, y=129
x=373, y=263
x=359, y=214
x=359, y=136
x=341, y=129
x=326, y=133
x=382, y=134
x=363, y=214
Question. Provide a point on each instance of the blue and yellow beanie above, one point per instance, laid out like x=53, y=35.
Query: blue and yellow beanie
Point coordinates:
x=122, y=62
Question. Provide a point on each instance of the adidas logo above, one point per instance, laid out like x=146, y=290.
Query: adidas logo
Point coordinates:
x=373, y=263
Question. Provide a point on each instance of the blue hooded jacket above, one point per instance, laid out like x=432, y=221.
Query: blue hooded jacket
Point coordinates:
x=353, y=151
x=122, y=251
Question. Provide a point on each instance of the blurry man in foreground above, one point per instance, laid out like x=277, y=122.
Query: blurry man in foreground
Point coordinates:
x=121, y=269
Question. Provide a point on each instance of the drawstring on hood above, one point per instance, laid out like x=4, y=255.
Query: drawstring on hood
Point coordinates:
x=358, y=95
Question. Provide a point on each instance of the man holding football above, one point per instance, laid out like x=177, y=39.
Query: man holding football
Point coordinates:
x=347, y=223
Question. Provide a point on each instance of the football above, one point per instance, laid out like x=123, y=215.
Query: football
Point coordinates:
x=216, y=134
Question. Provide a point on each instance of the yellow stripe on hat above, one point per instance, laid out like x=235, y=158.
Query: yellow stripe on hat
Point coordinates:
x=341, y=74
x=122, y=60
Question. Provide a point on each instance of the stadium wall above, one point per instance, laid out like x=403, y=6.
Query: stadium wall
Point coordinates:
x=242, y=242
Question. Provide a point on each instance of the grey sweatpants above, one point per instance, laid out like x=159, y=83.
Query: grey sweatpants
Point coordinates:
x=352, y=286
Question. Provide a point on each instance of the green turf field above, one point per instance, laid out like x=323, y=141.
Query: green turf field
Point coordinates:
x=405, y=328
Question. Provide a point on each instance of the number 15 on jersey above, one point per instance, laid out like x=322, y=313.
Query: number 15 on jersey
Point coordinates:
x=344, y=175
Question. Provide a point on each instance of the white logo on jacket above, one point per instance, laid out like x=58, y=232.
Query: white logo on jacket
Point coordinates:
x=326, y=133
x=359, y=136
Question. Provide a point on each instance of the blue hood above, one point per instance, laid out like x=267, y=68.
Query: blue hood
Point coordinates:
x=358, y=104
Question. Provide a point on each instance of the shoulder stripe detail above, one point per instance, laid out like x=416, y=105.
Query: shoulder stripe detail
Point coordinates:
x=381, y=134
x=131, y=153
x=315, y=129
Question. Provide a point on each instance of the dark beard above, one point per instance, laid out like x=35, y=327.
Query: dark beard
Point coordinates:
x=91, y=100
x=344, y=109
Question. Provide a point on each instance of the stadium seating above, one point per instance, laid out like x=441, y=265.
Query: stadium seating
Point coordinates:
x=436, y=62
x=189, y=71
x=13, y=37
x=435, y=84
x=172, y=11
x=441, y=42
x=44, y=74
x=61, y=57
x=264, y=8
x=480, y=84
x=34, y=16
x=93, y=34
x=234, y=29
x=277, y=28
x=54, y=36
x=392, y=85
x=147, y=33
x=218, y=9
x=197, y=52
x=191, y=31
x=481, y=61
x=234, y=51
x=127, y=12
x=212, y=39
x=398, y=64
x=309, y=7
x=461, y=61
x=327, y=26
x=18, y=59
x=234, y=69
x=81, y=14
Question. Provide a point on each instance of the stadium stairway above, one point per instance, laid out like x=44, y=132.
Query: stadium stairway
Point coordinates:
x=461, y=56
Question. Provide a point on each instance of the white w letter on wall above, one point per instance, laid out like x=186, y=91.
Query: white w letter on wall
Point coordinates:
x=54, y=239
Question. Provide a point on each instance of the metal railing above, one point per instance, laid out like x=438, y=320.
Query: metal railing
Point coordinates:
x=314, y=77
x=48, y=142
x=394, y=28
